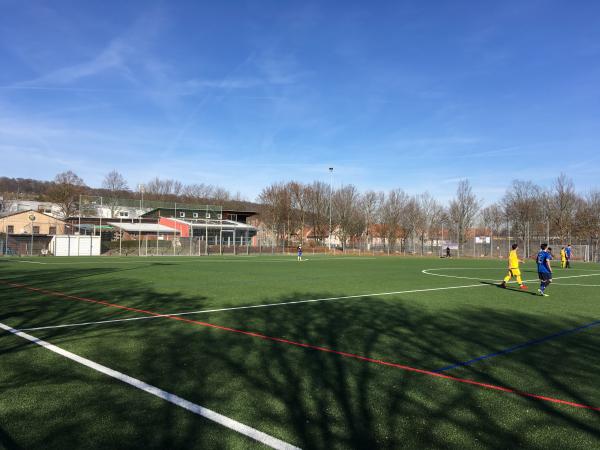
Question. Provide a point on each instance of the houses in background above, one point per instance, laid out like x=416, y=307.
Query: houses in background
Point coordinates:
x=27, y=227
x=29, y=231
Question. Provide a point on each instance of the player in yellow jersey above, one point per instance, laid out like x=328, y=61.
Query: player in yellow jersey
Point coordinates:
x=563, y=258
x=513, y=268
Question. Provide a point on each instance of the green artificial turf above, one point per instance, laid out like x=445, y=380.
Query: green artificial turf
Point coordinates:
x=304, y=396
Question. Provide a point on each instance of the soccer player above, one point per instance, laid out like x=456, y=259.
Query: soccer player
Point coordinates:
x=299, y=253
x=513, y=268
x=569, y=253
x=563, y=258
x=544, y=270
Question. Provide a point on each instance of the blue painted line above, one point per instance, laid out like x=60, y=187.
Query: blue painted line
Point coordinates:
x=520, y=346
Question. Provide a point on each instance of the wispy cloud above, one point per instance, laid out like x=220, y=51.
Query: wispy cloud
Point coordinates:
x=118, y=55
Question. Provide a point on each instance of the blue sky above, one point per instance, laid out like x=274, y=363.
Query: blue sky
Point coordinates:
x=240, y=94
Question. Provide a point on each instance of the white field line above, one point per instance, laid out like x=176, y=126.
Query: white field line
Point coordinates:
x=295, y=302
x=428, y=272
x=209, y=414
x=82, y=324
x=30, y=262
x=264, y=305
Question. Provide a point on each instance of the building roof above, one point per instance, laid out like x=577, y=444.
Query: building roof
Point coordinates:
x=143, y=227
x=5, y=215
x=213, y=224
x=210, y=208
x=91, y=226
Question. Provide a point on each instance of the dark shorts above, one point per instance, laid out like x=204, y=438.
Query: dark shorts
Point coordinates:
x=544, y=276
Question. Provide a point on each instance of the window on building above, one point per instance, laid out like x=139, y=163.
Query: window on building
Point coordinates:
x=123, y=213
x=36, y=230
x=181, y=214
x=52, y=230
x=11, y=229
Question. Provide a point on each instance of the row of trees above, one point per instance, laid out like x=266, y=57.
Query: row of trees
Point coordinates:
x=293, y=209
x=526, y=212
x=66, y=188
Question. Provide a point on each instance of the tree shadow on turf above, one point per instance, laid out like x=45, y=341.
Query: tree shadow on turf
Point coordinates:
x=7, y=442
x=310, y=398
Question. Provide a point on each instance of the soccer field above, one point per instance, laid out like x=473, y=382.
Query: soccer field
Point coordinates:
x=331, y=352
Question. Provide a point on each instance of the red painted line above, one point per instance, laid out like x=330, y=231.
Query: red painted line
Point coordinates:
x=314, y=347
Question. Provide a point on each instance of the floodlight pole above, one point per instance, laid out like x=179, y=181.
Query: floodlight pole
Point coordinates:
x=79, y=225
x=330, y=196
x=121, y=236
x=100, y=225
x=140, y=221
x=442, y=240
x=32, y=218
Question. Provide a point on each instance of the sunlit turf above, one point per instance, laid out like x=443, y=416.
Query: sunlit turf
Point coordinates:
x=307, y=397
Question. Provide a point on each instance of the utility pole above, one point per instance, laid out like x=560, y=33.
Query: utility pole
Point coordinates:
x=140, y=221
x=330, y=196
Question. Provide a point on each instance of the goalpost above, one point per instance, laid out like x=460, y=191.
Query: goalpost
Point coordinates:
x=581, y=252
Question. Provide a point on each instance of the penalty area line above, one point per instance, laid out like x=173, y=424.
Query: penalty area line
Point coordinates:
x=209, y=414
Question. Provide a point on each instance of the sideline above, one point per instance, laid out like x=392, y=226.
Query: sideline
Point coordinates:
x=348, y=355
x=209, y=414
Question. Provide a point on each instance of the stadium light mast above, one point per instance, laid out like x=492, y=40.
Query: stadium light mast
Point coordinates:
x=140, y=220
x=32, y=219
x=330, y=196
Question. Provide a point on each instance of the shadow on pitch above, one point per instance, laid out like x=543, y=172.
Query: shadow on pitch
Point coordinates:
x=310, y=398
x=529, y=291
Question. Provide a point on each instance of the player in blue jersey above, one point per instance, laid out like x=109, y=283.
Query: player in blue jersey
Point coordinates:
x=568, y=254
x=299, y=253
x=544, y=270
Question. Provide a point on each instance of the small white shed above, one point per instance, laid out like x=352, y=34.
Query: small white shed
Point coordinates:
x=74, y=245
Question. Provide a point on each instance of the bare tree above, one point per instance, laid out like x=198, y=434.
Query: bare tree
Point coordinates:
x=220, y=195
x=370, y=203
x=463, y=209
x=65, y=192
x=277, y=203
x=563, y=206
x=545, y=201
x=587, y=221
x=345, y=204
x=317, y=205
x=163, y=189
x=493, y=218
x=390, y=215
x=412, y=222
x=432, y=212
x=197, y=192
x=299, y=204
x=116, y=186
x=522, y=207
